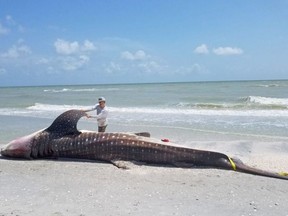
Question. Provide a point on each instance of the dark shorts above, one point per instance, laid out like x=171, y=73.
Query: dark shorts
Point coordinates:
x=102, y=128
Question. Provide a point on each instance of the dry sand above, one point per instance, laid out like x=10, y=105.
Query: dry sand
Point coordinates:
x=63, y=187
x=84, y=188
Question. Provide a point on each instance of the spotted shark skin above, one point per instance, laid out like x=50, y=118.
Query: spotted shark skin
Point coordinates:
x=63, y=139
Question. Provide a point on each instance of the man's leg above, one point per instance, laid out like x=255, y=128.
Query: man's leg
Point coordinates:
x=102, y=128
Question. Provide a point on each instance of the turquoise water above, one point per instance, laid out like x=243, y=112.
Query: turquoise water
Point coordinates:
x=246, y=108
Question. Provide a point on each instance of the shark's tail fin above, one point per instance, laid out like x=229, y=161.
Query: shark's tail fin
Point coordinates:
x=239, y=166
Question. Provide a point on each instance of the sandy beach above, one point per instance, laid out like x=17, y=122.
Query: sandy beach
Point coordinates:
x=61, y=187
x=82, y=188
x=209, y=76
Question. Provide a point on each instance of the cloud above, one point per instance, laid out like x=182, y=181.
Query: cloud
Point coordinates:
x=70, y=63
x=16, y=51
x=67, y=48
x=10, y=20
x=202, y=49
x=138, y=55
x=113, y=68
x=88, y=46
x=141, y=62
x=228, y=51
x=43, y=61
x=3, y=30
x=73, y=55
x=149, y=67
x=9, y=24
x=194, y=69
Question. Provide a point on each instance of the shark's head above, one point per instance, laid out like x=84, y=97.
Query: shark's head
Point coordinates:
x=65, y=124
x=19, y=148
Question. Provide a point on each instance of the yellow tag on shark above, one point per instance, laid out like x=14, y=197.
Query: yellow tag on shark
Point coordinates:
x=232, y=164
x=283, y=173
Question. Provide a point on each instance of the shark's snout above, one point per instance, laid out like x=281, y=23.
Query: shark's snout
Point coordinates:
x=2, y=150
x=20, y=147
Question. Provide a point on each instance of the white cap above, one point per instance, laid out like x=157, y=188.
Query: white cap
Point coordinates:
x=101, y=99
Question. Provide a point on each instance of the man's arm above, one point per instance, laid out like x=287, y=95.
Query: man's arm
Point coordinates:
x=102, y=115
x=89, y=110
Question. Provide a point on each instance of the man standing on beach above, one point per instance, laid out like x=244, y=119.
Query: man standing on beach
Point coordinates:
x=101, y=114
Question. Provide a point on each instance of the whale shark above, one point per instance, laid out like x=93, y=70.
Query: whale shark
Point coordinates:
x=63, y=139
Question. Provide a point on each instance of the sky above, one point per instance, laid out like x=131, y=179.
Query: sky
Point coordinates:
x=64, y=42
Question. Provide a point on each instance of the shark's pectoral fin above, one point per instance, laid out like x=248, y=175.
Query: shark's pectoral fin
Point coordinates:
x=183, y=165
x=126, y=164
x=121, y=164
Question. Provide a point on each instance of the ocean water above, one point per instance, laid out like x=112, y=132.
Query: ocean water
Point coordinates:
x=255, y=109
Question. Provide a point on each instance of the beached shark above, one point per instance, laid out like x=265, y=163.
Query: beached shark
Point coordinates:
x=63, y=139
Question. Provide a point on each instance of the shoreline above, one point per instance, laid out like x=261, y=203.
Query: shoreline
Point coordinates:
x=13, y=130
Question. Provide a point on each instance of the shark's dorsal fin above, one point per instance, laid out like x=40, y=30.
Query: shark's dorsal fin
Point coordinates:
x=144, y=134
x=66, y=123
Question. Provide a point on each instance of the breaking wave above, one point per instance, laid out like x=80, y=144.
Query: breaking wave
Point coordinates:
x=63, y=90
x=267, y=101
x=243, y=103
x=48, y=110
